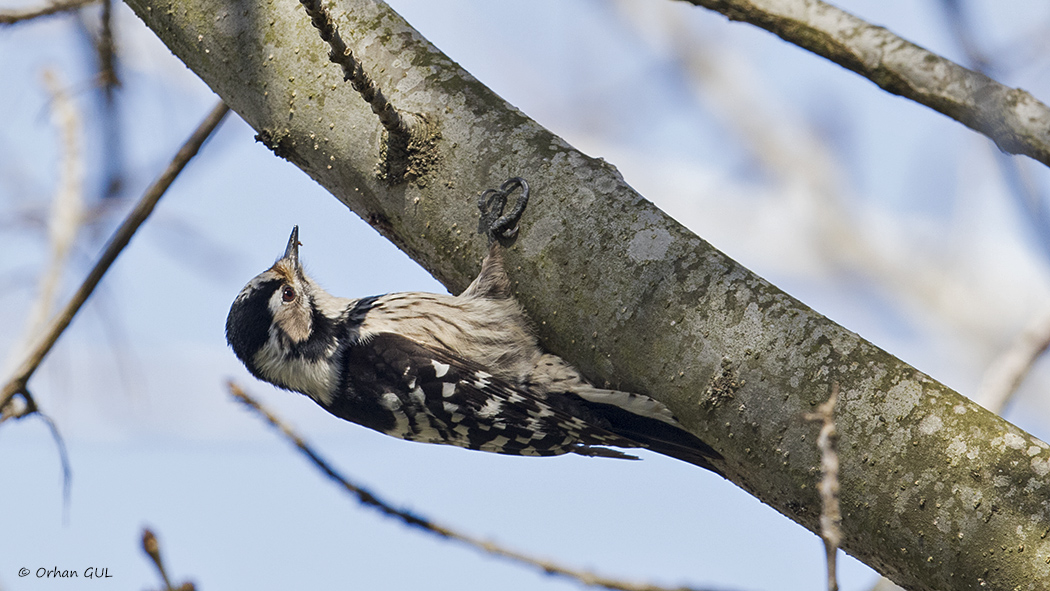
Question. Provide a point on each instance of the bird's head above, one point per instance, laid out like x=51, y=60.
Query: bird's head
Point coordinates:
x=281, y=325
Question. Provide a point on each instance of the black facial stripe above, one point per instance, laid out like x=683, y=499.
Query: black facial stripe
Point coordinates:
x=323, y=334
x=249, y=321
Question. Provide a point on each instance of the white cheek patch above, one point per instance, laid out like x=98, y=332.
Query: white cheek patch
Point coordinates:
x=293, y=318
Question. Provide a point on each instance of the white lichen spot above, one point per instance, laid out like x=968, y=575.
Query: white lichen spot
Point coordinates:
x=1001, y=481
x=649, y=245
x=1041, y=466
x=956, y=449
x=930, y=425
x=1013, y=441
x=1034, y=450
x=960, y=409
x=901, y=400
x=1040, y=443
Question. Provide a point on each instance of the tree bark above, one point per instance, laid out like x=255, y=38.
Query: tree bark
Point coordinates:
x=936, y=492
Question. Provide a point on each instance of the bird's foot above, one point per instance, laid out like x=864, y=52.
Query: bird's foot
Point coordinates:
x=494, y=223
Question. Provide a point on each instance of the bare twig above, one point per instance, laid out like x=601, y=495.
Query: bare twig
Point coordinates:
x=109, y=79
x=63, y=458
x=152, y=549
x=17, y=384
x=1012, y=118
x=107, y=50
x=392, y=119
x=63, y=225
x=369, y=499
x=10, y=17
x=830, y=516
x=67, y=207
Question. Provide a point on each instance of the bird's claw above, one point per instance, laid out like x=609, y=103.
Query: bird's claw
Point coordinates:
x=494, y=223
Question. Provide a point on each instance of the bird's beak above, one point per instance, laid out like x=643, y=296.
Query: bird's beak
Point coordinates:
x=291, y=253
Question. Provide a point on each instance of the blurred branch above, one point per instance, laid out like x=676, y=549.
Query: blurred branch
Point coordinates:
x=10, y=17
x=152, y=549
x=1008, y=370
x=17, y=385
x=1012, y=118
x=105, y=52
x=369, y=499
x=67, y=207
x=958, y=22
x=107, y=49
x=64, y=223
x=1018, y=183
x=63, y=459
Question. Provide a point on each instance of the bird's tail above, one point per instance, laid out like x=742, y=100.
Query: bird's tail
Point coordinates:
x=648, y=423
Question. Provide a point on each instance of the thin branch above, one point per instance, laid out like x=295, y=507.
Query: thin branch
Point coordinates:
x=120, y=239
x=67, y=207
x=63, y=458
x=389, y=116
x=107, y=50
x=831, y=515
x=67, y=212
x=369, y=499
x=10, y=17
x=1012, y=118
x=1008, y=370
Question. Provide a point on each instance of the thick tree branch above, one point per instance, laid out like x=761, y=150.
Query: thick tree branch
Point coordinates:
x=1011, y=117
x=935, y=491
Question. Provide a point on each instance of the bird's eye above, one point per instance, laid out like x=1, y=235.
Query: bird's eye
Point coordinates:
x=288, y=294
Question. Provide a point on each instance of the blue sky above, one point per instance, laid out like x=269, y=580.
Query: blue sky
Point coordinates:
x=881, y=214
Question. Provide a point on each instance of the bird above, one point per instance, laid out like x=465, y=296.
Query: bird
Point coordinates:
x=464, y=370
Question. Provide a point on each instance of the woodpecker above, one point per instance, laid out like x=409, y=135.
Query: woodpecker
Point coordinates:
x=463, y=370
